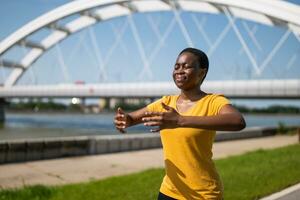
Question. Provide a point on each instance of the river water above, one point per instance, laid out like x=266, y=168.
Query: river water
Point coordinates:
x=40, y=125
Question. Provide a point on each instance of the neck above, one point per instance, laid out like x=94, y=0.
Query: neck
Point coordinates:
x=192, y=94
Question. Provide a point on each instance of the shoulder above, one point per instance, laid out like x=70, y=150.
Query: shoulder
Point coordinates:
x=216, y=97
x=217, y=100
x=168, y=99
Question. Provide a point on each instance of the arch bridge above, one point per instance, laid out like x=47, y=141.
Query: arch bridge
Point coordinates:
x=87, y=13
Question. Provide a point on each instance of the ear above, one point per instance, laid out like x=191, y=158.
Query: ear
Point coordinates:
x=203, y=70
x=202, y=74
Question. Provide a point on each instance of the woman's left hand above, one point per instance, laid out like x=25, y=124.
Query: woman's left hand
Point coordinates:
x=162, y=120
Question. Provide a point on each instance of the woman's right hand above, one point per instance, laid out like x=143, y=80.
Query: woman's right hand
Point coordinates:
x=122, y=120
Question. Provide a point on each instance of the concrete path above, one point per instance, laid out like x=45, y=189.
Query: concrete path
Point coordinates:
x=291, y=193
x=85, y=168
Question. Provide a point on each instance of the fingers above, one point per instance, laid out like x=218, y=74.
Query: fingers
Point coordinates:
x=120, y=110
x=120, y=123
x=121, y=129
x=153, y=123
x=168, y=108
x=154, y=118
x=150, y=114
x=120, y=117
x=120, y=126
x=120, y=120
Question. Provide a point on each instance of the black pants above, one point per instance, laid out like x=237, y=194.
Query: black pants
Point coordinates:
x=162, y=196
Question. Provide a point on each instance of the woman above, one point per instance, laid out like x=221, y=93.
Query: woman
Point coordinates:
x=187, y=123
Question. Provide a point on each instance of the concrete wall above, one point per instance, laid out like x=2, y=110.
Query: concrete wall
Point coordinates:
x=47, y=148
x=246, y=133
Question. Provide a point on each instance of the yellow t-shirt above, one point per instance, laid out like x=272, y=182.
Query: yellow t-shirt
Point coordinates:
x=190, y=171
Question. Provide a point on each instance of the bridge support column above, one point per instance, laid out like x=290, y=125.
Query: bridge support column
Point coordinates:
x=83, y=105
x=2, y=113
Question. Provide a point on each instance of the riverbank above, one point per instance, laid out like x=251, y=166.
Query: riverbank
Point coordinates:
x=95, y=167
x=57, y=147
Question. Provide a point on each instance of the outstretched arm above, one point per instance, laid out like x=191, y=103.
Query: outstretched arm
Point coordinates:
x=228, y=119
x=124, y=120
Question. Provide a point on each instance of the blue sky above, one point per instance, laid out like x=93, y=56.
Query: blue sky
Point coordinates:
x=228, y=62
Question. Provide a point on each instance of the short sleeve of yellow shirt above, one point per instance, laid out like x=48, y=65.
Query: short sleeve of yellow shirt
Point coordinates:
x=190, y=171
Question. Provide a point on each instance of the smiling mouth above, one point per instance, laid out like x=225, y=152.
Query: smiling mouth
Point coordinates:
x=180, y=78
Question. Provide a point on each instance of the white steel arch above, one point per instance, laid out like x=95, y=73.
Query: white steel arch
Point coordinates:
x=272, y=13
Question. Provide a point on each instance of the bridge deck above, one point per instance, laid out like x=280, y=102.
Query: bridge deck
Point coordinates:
x=287, y=89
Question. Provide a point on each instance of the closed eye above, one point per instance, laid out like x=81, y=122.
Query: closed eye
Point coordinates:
x=176, y=66
x=188, y=66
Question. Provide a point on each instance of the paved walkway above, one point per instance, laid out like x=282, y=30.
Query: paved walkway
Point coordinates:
x=291, y=193
x=85, y=168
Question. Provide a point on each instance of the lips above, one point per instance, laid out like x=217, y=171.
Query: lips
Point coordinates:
x=180, y=78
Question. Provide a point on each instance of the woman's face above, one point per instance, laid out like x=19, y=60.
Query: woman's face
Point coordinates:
x=187, y=73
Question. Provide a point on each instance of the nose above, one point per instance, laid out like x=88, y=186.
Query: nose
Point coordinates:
x=179, y=71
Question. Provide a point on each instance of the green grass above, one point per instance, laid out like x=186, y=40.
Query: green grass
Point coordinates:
x=249, y=176
x=259, y=173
